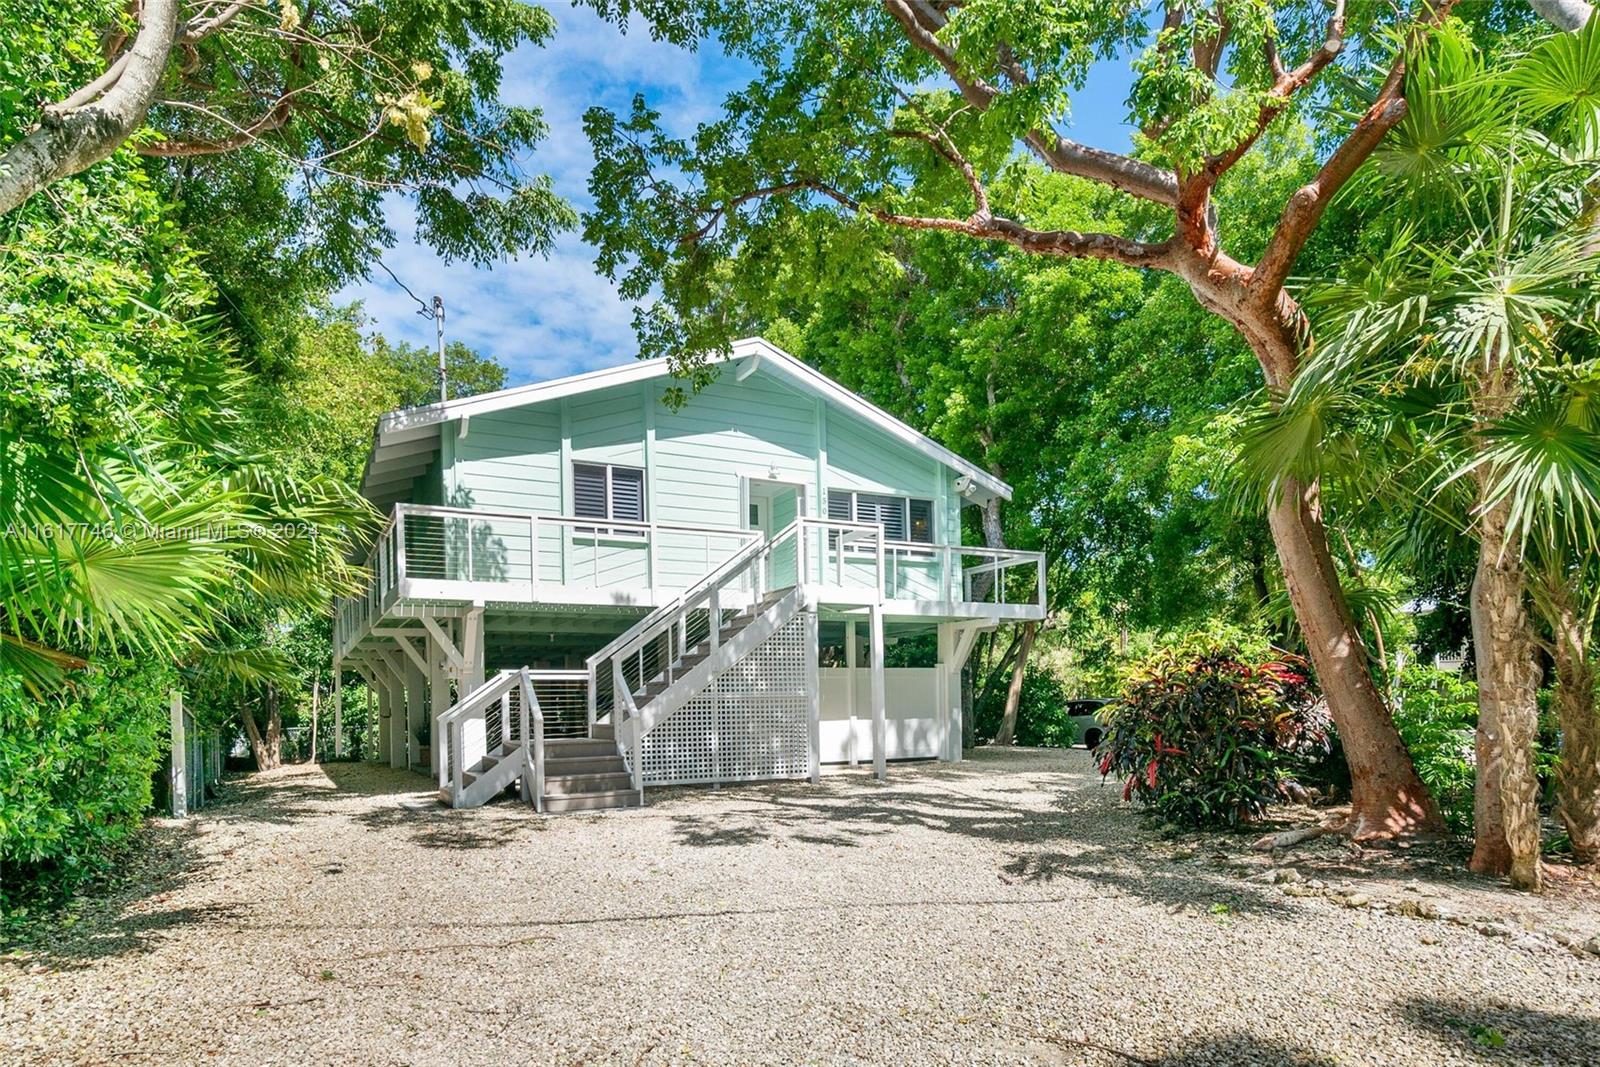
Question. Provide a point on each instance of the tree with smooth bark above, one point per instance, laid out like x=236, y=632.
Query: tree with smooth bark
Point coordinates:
x=350, y=103
x=1459, y=357
x=842, y=100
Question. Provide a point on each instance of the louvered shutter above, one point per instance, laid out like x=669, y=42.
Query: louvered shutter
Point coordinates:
x=889, y=510
x=627, y=494
x=839, y=509
x=589, y=491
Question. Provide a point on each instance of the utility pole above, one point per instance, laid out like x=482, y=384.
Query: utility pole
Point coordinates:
x=438, y=329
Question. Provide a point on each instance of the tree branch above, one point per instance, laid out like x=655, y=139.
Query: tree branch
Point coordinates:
x=65, y=144
x=921, y=22
x=1073, y=244
x=1568, y=15
x=1306, y=207
x=182, y=147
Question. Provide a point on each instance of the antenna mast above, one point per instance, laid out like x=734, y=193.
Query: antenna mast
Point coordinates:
x=438, y=328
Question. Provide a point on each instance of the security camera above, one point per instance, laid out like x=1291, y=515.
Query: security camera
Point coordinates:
x=964, y=484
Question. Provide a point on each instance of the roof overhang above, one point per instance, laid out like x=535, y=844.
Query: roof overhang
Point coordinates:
x=406, y=442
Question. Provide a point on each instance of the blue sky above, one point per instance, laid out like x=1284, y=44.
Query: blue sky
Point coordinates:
x=544, y=318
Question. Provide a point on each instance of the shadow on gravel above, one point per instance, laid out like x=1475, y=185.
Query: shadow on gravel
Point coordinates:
x=121, y=914
x=437, y=826
x=1498, y=1033
x=1076, y=841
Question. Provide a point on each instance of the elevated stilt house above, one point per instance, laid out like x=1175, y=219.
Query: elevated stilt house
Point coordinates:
x=581, y=590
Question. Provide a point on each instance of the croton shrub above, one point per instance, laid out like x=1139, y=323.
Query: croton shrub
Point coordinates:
x=1206, y=734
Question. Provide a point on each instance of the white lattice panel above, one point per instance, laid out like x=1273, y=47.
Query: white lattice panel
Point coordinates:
x=750, y=724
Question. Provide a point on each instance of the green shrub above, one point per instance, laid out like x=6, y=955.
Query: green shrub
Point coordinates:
x=1041, y=711
x=1436, y=713
x=1203, y=735
x=75, y=776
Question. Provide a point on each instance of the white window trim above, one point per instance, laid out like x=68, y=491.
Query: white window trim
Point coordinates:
x=607, y=533
x=905, y=498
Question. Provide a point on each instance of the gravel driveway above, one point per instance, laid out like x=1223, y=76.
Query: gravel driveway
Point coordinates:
x=1004, y=910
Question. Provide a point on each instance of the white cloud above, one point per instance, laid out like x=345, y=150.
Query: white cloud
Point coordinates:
x=543, y=317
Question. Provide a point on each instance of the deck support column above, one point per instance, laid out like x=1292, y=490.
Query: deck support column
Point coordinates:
x=880, y=710
x=852, y=660
x=338, y=709
x=955, y=645
x=416, y=686
x=438, y=702
x=813, y=695
x=474, y=741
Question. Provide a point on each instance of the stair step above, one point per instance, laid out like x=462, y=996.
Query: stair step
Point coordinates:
x=560, y=768
x=604, y=731
x=568, y=785
x=617, y=798
x=573, y=747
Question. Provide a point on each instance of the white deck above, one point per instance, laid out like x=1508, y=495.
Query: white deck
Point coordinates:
x=434, y=560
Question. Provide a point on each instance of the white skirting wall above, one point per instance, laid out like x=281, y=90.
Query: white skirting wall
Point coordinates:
x=914, y=726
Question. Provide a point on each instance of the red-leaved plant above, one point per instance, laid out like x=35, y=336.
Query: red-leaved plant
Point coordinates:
x=1205, y=736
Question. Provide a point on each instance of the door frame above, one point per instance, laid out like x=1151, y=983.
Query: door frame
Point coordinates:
x=748, y=480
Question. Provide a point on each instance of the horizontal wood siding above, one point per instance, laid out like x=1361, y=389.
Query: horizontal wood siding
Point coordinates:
x=760, y=427
x=727, y=430
x=510, y=461
x=608, y=427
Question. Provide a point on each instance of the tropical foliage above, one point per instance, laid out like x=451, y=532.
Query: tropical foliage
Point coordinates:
x=1206, y=735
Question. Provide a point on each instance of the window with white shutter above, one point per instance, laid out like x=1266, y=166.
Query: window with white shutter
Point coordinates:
x=903, y=518
x=603, y=491
x=589, y=495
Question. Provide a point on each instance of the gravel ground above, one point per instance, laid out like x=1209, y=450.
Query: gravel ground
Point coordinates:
x=1005, y=910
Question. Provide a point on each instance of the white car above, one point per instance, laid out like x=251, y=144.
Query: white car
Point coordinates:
x=1084, y=714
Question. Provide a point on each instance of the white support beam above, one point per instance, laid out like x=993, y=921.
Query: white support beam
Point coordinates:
x=180, y=759
x=813, y=694
x=418, y=659
x=452, y=654
x=472, y=672
x=852, y=660
x=880, y=711
x=338, y=709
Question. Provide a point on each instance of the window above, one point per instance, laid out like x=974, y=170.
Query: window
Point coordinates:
x=903, y=518
x=602, y=491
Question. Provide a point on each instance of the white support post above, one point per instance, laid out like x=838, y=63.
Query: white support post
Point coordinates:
x=416, y=686
x=180, y=760
x=813, y=694
x=941, y=688
x=338, y=709
x=474, y=740
x=438, y=703
x=880, y=711
x=852, y=658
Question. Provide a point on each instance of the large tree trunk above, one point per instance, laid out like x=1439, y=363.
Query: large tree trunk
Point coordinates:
x=1578, y=773
x=1007, y=733
x=94, y=122
x=1386, y=795
x=1506, y=805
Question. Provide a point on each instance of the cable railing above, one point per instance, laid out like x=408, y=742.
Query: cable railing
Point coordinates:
x=439, y=553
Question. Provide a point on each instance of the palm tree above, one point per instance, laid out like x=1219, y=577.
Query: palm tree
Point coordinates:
x=1452, y=355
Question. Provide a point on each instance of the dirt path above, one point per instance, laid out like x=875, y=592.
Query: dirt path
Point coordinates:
x=1004, y=910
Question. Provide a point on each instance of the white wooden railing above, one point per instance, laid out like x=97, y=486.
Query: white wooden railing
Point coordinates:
x=463, y=553
x=457, y=553
x=507, y=708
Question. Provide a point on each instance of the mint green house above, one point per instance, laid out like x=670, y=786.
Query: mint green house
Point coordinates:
x=580, y=590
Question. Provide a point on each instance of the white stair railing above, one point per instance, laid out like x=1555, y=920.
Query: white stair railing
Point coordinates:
x=806, y=551
x=508, y=708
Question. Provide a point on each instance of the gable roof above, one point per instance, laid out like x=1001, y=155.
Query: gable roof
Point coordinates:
x=406, y=442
